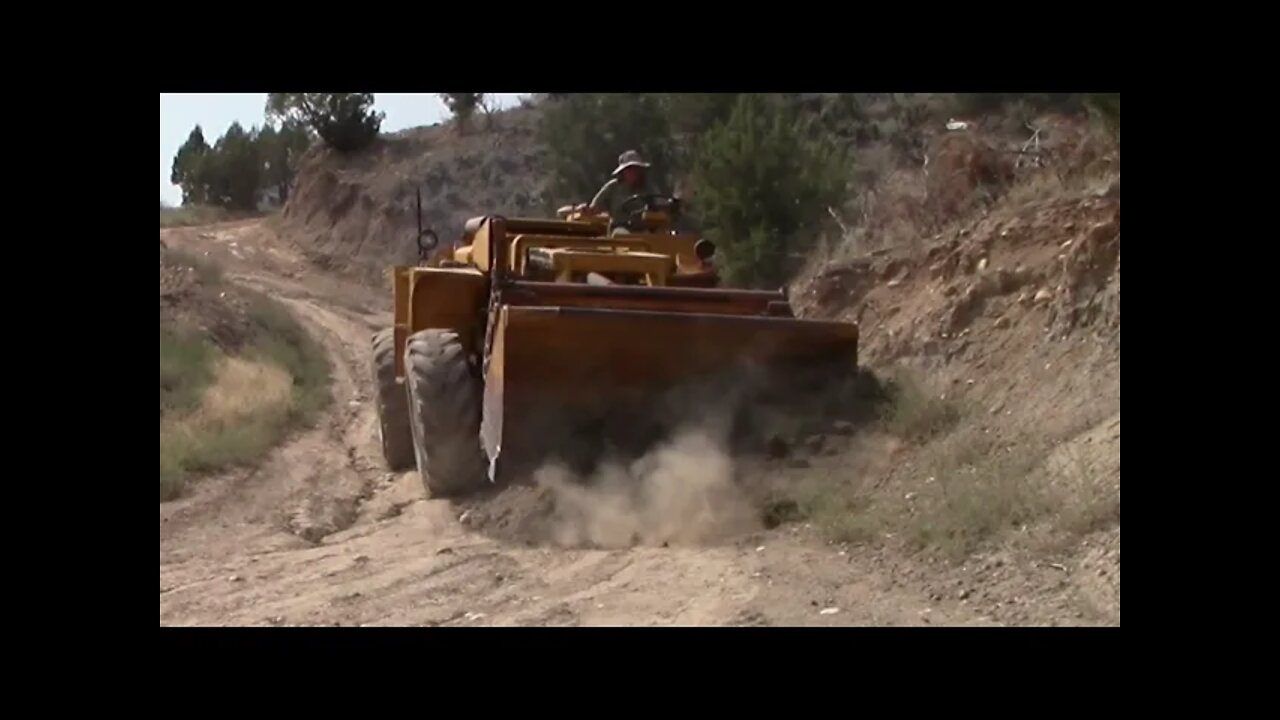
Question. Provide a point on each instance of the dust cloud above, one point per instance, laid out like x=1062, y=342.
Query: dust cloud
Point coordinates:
x=682, y=492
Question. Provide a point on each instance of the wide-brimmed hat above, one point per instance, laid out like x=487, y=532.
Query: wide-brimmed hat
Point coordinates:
x=630, y=158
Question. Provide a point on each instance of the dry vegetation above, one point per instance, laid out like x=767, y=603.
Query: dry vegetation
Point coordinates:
x=237, y=372
x=955, y=489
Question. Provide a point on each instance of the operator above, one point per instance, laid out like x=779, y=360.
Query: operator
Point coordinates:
x=630, y=178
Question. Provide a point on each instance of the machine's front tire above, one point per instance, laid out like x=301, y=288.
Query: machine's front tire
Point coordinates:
x=445, y=399
x=392, y=404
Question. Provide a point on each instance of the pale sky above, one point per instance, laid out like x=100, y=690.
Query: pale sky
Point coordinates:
x=214, y=112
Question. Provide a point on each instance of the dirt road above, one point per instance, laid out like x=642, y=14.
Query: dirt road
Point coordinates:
x=321, y=534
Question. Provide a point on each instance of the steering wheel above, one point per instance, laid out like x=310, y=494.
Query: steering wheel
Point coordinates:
x=645, y=202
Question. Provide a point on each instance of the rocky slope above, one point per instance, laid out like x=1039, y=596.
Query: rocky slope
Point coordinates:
x=358, y=214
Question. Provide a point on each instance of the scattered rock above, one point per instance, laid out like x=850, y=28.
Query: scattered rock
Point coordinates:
x=1043, y=295
x=982, y=264
x=464, y=517
x=814, y=443
x=842, y=427
x=1002, y=322
x=894, y=283
x=236, y=578
x=965, y=593
x=829, y=611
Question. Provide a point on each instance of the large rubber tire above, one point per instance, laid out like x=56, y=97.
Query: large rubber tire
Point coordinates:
x=394, y=430
x=445, y=397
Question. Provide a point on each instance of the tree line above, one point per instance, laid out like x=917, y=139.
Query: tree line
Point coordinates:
x=235, y=170
x=240, y=166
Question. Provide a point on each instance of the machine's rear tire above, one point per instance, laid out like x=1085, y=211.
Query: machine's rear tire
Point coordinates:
x=445, y=399
x=392, y=403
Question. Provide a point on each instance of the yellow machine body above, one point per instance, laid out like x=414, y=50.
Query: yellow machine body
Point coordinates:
x=566, y=321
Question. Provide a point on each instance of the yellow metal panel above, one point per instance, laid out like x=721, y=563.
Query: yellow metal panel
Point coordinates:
x=480, y=245
x=400, y=293
x=521, y=244
x=400, y=275
x=555, y=367
x=452, y=298
x=655, y=268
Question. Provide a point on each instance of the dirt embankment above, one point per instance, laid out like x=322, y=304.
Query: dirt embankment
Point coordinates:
x=358, y=214
x=1008, y=319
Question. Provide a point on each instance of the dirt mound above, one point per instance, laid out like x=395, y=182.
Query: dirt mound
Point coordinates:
x=357, y=213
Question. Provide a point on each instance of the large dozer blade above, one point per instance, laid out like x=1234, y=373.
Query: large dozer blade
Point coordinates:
x=569, y=359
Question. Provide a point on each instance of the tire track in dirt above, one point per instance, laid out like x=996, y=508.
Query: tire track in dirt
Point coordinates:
x=310, y=487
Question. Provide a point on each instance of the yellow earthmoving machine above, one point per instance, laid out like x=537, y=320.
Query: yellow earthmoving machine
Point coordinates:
x=526, y=332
